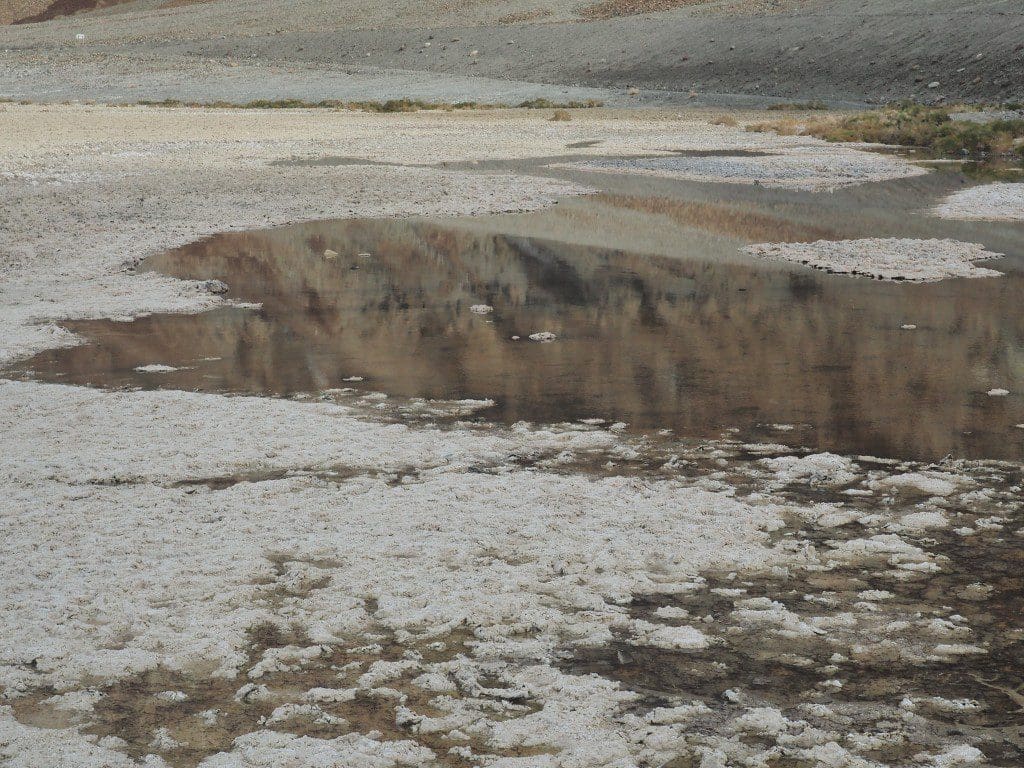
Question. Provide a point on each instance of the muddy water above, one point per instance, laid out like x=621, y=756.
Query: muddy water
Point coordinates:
x=696, y=341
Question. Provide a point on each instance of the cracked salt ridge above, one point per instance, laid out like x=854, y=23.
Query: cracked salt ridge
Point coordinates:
x=988, y=202
x=812, y=168
x=885, y=258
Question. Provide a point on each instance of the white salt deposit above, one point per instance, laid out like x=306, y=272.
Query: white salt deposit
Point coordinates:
x=928, y=482
x=155, y=368
x=820, y=469
x=671, y=638
x=788, y=164
x=992, y=202
x=173, y=576
x=885, y=258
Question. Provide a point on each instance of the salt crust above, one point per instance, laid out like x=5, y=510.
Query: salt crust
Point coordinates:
x=927, y=482
x=799, y=164
x=129, y=571
x=885, y=258
x=989, y=202
x=99, y=507
x=819, y=469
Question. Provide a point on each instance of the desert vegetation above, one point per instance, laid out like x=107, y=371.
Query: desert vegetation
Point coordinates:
x=933, y=129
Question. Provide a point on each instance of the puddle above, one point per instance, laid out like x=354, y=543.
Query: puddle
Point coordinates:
x=683, y=342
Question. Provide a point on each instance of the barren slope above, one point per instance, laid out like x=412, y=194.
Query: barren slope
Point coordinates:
x=842, y=50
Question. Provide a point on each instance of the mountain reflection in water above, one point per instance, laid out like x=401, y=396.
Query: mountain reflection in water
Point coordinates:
x=657, y=342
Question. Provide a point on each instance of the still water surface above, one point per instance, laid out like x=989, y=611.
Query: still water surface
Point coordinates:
x=687, y=343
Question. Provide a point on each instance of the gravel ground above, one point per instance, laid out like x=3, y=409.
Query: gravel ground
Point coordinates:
x=844, y=51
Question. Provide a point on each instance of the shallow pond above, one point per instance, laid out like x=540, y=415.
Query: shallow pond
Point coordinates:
x=681, y=332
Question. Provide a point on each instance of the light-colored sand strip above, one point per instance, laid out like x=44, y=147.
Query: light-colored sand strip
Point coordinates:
x=991, y=202
x=885, y=258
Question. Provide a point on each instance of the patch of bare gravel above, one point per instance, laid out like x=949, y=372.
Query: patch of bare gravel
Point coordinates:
x=885, y=258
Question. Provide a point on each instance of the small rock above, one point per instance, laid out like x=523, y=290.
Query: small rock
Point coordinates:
x=330, y=255
x=481, y=309
x=909, y=327
x=543, y=336
x=998, y=392
x=216, y=287
x=933, y=84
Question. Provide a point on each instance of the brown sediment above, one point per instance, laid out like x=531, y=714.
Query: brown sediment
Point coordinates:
x=609, y=9
x=731, y=220
x=212, y=715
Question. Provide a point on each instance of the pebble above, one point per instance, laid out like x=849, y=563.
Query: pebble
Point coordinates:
x=215, y=287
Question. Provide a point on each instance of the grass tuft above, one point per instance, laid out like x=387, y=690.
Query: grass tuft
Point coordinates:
x=548, y=104
x=913, y=125
x=798, y=106
x=392, y=105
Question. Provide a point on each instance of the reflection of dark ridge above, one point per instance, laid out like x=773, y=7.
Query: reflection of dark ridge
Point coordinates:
x=549, y=272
